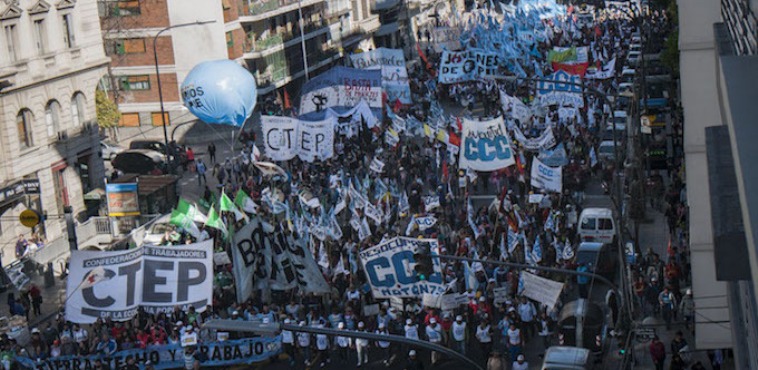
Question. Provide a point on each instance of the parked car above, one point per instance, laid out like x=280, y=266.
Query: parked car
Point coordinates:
x=600, y=258
x=567, y=358
x=110, y=149
x=156, y=230
x=140, y=161
x=160, y=147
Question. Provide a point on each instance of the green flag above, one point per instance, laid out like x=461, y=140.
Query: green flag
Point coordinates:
x=185, y=222
x=215, y=221
x=243, y=201
x=226, y=205
x=191, y=211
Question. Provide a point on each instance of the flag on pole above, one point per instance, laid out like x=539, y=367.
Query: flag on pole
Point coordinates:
x=550, y=222
x=226, y=205
x=537, y=250
x=243, y=201
x=184, y=221
x=568, y=251
x=512, y=240
x=191, y=211
x=215, y=221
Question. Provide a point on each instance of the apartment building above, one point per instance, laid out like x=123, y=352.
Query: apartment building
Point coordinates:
x=718, y=42
x=274, y=39
x=51, y=61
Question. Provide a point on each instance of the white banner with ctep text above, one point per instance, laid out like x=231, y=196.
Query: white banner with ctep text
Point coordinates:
x=115, y=284
x=285, y=137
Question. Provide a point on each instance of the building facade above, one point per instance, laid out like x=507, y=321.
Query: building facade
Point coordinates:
x=719, y=72
x=263, y=36
x=51, y=62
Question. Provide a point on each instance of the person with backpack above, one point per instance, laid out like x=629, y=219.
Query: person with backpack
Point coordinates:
x=667, y=302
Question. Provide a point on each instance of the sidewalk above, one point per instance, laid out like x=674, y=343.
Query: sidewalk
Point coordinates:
x=53, y=299
x=654, y=234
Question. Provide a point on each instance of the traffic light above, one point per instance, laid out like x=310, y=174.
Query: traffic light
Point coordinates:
x=424, y=265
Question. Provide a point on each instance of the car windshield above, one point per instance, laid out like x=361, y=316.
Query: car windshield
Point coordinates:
x=606, y=149
x=586, y=257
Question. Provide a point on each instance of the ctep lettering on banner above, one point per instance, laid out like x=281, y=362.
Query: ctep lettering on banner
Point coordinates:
x=154, y=278
x=285, y=137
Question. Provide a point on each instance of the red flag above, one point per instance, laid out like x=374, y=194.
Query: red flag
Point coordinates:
x=460, y=125
x=454, y=139
x=287, y=101
x=445, y=171
x=578, y=69
x=397, y=106
x=426, y=61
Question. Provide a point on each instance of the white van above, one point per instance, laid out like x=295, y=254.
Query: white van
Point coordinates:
x=567, y=358
x=597, y=225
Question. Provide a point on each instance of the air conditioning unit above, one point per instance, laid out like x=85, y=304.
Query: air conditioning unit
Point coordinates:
x=62, y=135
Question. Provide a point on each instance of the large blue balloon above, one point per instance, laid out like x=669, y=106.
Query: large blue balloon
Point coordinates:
x=220, y=91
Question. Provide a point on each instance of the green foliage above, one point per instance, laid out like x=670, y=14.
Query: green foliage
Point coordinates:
x=107, y=111
x=670, y=53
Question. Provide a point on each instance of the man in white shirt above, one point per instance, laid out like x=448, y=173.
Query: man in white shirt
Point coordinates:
x=361, y=346
x=520, y=363
x=322, y=345
x=80, y=334
x=304, y=344
x=435, y=333
x=460, y=335
x=384, y=346
x=343, y=344
x=528, y=314
x=288, y=341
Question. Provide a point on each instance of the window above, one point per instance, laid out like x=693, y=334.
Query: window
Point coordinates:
x=24, y=128
x=225, y=5
x=127, y=8
x=40, y=36
x=588, y=224
x=157, y=119
x=61, y=191
x=129, y=120
x=52, y=118
x=129, y=83
x=11, y=40
x=68, y=31
x=606, y=224
x=130, y=46
x=229, y=39
x=77, y=109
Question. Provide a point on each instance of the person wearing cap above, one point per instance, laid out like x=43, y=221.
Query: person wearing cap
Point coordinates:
x=343, y=344
x=527, y=313
x=520, y=363
x=484, y=336
x=436, y=335
x=149, y=365
x=687, y=309
x=460, y=335
x=304, y=345
x=413, y=361
x=288, y=342
x=37, y=348
x=322, y=346
x=384, y=346
x=361, y=346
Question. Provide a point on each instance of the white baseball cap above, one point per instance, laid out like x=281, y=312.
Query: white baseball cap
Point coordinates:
x=408, y=322
x=459, y=318
x=412, y=352
x=361, y=324
x=520, y=358
x=341, y=325
x=433, y=320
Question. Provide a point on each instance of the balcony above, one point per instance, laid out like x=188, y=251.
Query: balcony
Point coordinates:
x=277, y=76
x=281, y=40
x=260, y=10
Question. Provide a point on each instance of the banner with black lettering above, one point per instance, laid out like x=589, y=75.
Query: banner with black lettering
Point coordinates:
x=226, y=353
x=285, y=137
x=342, y=87
x=468, y=65
x=394, y=74
x=390, y=265
x=485, y=146
x=266, y=256
x=115, y=284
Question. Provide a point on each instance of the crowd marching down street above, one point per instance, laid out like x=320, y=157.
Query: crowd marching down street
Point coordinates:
x=480, y=147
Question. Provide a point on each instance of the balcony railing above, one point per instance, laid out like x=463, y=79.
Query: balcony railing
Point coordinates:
x=260, y=7
x=282, y=37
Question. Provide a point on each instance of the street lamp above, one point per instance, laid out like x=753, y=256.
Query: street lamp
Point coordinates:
x=158, y=77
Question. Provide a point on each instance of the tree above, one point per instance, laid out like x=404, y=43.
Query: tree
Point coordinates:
x=107, y=113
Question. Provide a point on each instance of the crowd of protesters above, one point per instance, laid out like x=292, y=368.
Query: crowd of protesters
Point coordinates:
x=493, y=332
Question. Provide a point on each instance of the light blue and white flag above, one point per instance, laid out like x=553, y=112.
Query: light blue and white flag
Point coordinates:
x=537, y=251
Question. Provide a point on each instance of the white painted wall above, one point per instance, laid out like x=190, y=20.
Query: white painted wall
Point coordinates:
x=701, y=109
x=197, y=43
